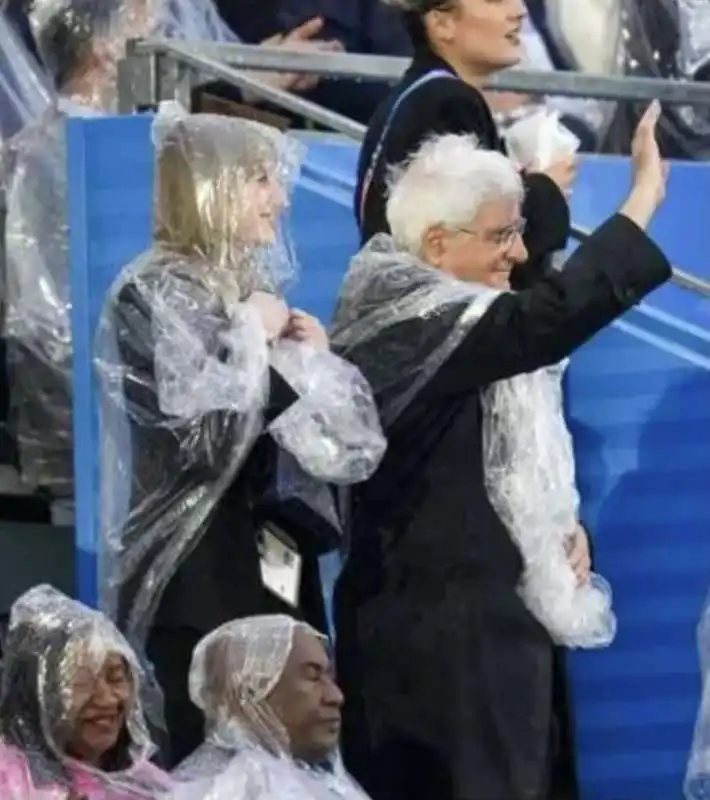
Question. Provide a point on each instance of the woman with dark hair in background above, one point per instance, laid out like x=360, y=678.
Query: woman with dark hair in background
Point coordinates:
x=458, y=46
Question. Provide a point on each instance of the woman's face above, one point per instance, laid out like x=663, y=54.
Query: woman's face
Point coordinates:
x=100, y=702
x=483, y=34
x=263, y=200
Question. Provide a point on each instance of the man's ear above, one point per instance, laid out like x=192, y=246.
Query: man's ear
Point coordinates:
x=433, y=245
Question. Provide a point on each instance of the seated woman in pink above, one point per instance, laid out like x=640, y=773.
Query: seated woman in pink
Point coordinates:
x=71, y=721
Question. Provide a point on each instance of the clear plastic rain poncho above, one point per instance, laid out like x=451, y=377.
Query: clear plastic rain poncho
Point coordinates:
x=246, y=753
x=665, y=39
x=697, y=776
x=37, y=322
x=26, y=92
x=184, y=358
x=190, y=20
x=37, y=304
x=528, y=457
x=54, y=651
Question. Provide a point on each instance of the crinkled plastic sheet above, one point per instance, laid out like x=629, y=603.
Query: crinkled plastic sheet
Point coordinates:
x=247, y=752
x=52, y=645
x=191, y=20
x=665, y=39
x=697, y=777
x=38, y=304
x=25, y=91
x=183, y=358
x=81, y=42
x=529, y=467
x=333, y=430
x=79, y=45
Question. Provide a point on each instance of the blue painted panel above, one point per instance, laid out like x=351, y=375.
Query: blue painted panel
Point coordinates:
x=638, y=406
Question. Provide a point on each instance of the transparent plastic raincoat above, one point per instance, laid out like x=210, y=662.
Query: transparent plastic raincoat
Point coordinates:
x=26, y=91
x=528, y=457
x=37, y=322
x=55, y=650
x=246, y=753
x=191, y=20
x=186, y=351
x=665, y=39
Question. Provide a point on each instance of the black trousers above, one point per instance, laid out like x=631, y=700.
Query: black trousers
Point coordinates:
x=170, y=651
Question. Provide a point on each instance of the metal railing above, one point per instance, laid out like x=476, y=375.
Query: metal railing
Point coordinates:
x=159, y=69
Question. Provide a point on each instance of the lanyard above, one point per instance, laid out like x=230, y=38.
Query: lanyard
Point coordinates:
x=377, y=152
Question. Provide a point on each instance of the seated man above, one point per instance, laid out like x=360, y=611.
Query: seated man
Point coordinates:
x=272, y=713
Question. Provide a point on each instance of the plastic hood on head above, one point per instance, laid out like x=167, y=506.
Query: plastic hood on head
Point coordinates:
x=55, y=648
x=247, y=752
x=234, y=670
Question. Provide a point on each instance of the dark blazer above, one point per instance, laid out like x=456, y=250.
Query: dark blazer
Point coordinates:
x=452, y=106
x=450, y=681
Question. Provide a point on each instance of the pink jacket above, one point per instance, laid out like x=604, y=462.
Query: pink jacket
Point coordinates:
x=16, y=783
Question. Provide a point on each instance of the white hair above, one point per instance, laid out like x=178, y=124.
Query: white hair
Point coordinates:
x=445, y=182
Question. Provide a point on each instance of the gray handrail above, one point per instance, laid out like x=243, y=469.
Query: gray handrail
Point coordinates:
x=224, y=62
x=390, y=69
x=188, y=57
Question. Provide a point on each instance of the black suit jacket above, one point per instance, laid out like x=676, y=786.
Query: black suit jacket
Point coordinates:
x=451, y=682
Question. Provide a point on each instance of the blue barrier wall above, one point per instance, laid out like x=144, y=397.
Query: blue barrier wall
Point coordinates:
x=638, y=406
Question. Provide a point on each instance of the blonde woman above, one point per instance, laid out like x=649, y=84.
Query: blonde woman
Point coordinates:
x=210, y=384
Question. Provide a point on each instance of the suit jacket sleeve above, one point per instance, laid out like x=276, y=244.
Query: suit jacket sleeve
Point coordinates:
x=522, y=332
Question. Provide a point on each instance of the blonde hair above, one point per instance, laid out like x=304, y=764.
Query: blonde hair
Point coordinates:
x=199, y=188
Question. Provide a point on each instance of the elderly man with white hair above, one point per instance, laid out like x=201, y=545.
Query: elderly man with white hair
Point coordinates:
x=272, y=713
x=467, y=566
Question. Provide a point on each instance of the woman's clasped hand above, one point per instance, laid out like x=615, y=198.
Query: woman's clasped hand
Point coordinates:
x=280, y=322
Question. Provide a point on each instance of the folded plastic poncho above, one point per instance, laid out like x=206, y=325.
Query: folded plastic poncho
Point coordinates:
x=71, y=693
x=184, y=356
x=528, y=457
x=247, y=751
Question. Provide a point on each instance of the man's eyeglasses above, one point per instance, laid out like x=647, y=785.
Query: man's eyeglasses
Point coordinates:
x=502, y=237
